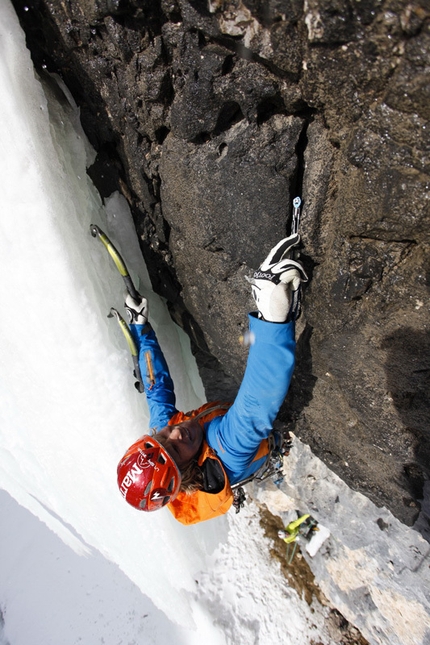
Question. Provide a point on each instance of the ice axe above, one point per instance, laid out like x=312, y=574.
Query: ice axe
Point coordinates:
x=113, y=313
x=295, y=221
x=116, y=257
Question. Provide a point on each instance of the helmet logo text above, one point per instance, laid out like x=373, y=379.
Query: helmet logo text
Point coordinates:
x=131, y=476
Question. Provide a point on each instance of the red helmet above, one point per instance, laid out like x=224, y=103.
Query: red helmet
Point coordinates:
x=148, y=478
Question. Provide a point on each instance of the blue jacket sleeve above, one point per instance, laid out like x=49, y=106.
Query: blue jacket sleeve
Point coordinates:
x=156, y=378
x=236, y=436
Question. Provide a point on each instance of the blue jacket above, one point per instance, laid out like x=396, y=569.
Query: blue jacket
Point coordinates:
x=236, y=436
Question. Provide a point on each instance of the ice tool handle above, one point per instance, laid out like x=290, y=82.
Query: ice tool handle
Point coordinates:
x=116, y=257
x=296, y=216
x=131, y=345
x=120, y=265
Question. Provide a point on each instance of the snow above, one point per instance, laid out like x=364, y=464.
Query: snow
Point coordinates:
x=77, y=564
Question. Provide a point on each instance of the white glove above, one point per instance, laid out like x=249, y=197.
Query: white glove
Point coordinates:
x=276, y=286
x=138, y=312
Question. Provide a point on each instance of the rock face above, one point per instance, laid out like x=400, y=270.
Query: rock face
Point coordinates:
x=210, y=117
x=373, y=568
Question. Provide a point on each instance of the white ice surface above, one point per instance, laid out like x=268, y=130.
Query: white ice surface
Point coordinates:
x=78, y=565
x=318, y=539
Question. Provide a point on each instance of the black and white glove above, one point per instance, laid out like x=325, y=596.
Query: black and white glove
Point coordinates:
x=276, y=286
x=138, y=311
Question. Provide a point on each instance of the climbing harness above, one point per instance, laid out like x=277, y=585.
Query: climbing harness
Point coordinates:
x=279, y=447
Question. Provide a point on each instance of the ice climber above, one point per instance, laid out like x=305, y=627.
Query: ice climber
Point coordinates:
x=190, y=460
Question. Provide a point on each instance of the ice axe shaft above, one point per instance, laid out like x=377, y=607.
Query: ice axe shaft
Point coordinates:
x=123, y=271
x=295, y=221
x=131, y=345
x=116, y=257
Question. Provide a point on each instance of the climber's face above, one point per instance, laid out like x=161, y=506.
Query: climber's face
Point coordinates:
x=182, y=441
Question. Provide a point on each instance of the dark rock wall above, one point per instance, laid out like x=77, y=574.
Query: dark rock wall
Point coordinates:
x=210, y=117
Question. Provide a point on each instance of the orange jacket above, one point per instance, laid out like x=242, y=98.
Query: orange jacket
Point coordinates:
x=191, y=508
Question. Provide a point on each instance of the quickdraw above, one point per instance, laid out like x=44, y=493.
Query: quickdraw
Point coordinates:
x=279, y=447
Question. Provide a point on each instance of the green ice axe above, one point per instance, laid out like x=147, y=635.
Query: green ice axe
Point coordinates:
x=116, y=257
x=120, y=265
x=131, y=345
x=293, y=529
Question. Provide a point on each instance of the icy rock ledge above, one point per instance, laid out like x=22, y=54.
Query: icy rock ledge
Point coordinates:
x=372, y=568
